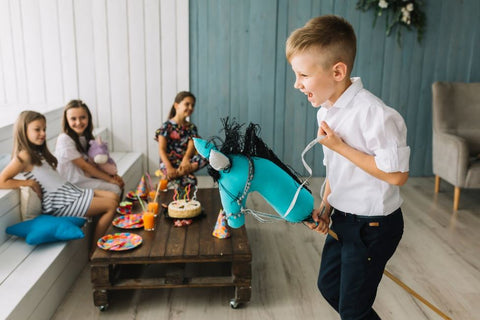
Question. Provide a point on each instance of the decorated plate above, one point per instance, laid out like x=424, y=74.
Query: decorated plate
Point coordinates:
x=129, y=221
x=119, y=241
x=132, y=196
x=123, y=210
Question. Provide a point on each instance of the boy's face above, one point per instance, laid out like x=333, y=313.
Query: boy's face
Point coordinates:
x=36, y=132
x=311, y=78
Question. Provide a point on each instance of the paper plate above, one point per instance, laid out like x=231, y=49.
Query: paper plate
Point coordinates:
x=122, y=210
x=129, y=221
x=132, y=196
x=119, y=241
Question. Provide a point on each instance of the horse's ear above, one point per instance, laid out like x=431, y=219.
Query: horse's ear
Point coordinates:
x=203, y=147
x=218, y=160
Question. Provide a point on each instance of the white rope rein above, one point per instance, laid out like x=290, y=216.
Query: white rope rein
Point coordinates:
x=267, y=217
x=261, y=216
x=307, y=167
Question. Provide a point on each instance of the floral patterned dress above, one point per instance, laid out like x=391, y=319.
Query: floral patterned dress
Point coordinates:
x=177, y=142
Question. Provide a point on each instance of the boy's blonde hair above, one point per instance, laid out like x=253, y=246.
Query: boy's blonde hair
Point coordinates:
x=332, y=35
x=21, y=142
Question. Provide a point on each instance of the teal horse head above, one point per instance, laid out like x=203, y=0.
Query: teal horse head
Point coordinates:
x=240, y=174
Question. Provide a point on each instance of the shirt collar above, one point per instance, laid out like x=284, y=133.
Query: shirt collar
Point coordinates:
x=348, y=94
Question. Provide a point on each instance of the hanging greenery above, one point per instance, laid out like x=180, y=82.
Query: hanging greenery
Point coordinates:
x=398, y=13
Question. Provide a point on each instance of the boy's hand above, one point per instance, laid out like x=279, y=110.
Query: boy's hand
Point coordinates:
x=322, y=222
x=331, y=140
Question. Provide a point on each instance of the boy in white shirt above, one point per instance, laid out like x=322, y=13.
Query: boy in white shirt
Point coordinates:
x=366, y=157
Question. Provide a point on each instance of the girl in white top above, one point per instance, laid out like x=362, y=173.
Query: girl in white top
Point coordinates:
x=59, y=197
x=72, y=147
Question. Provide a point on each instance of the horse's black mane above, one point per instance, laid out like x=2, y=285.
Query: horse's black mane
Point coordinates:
x=249, y=145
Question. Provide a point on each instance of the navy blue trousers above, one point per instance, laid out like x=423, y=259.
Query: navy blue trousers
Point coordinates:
x=352, y=267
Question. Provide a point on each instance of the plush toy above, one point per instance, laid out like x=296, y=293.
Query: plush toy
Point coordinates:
x=240, y=170
x=98, y=154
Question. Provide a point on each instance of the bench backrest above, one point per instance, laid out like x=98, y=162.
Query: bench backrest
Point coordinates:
x=54, y=124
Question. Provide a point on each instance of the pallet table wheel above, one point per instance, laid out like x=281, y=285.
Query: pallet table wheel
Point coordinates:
x=234, y=304
x=103, y=307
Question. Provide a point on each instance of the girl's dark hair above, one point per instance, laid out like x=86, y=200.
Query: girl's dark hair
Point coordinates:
x=88, y=133
x=21, y=142
x=179, y=98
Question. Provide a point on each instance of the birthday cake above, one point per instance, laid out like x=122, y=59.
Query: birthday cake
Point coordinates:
x=184, y=209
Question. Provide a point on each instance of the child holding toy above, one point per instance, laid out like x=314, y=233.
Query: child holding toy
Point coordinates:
x=59, y=197
x=72, y=148
x=178, y=158
x=367, y=159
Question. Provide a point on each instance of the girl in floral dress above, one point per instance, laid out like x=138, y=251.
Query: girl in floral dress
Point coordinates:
x=178, y=158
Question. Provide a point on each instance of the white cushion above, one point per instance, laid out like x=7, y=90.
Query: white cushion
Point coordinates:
x=30, y=203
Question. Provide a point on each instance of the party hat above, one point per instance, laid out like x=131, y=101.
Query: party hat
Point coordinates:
x=221, y=231
x=142, y=188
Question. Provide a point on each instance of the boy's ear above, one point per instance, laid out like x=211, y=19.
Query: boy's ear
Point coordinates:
x=340, y=71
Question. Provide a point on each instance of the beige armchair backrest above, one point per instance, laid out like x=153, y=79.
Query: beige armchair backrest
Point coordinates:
x=456, y=111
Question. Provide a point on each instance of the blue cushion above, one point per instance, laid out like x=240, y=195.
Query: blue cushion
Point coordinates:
x=47, y=228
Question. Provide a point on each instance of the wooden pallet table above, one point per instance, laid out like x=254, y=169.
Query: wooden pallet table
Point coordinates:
x=177, y=257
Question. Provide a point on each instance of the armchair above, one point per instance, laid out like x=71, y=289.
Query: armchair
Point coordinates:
x=456, y=135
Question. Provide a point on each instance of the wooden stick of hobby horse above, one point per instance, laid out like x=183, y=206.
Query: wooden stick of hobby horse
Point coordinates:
x=404, y=286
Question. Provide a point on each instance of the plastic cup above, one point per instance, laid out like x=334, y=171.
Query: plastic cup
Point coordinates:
x=153, y=207
x=148, y=221
x=163, y=184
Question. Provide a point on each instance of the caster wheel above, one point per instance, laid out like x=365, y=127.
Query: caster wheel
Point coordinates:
x=103, y=308
x=234, y=304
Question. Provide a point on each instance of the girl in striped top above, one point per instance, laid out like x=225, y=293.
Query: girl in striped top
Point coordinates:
x=59, y=197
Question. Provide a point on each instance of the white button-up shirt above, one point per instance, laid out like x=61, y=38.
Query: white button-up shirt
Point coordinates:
x=365, y=123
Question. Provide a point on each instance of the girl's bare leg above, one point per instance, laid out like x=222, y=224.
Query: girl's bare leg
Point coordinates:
x=106, y=194
x=103, y=207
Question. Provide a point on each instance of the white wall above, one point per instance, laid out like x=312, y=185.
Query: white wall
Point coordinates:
x=125, y=58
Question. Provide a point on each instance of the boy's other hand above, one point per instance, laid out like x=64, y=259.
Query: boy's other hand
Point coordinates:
x=331, y=140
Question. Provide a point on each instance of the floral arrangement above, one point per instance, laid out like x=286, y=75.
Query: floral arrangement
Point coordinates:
x=400, y=13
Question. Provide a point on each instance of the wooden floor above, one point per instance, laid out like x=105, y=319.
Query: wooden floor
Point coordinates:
x=438, y=257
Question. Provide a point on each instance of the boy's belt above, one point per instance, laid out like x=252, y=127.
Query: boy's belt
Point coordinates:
x=356, y=217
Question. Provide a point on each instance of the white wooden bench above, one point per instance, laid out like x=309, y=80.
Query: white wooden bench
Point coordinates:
x=35, y=279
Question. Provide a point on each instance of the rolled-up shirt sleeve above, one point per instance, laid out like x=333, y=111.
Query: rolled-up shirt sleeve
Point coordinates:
x=389, y=143
x=394, y=159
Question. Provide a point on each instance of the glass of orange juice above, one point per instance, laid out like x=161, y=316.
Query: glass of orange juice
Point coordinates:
x=148, y=221
x=152, y=195
x=163, y=184
x=153, y=207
